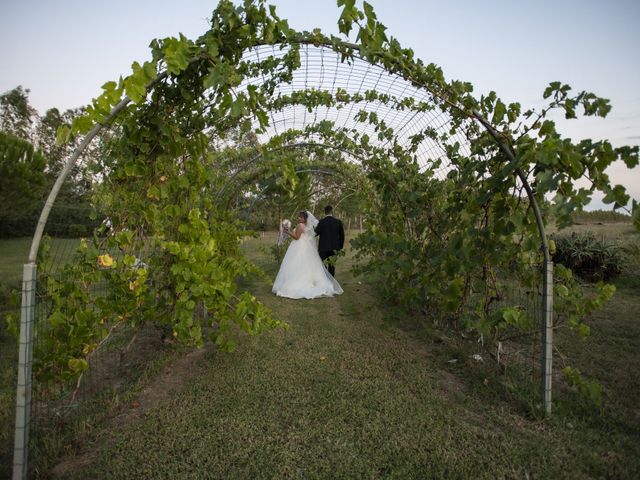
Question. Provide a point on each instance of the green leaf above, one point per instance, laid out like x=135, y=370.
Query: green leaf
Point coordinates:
x=177, y=53
x=57, y=319
x=348, y=16
x=635, y=214
x=617, y=195
x=553, y=86
x=129, y=260
x=548, y=128
x=499, y=112
x=135, y=85
x=124, y=238
x=237, y=107
x=262, y=117
x=584, y=330
x=81, y=124
x=63, y=134
x=629, y=155
x=153, y=192
x=78, y=365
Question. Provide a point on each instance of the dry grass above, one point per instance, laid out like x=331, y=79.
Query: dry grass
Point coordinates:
x=617, y=231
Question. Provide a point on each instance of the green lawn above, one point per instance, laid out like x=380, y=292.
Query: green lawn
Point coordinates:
x=345, y=393
x=611, y=231
x=610, y=353
x=14, y=253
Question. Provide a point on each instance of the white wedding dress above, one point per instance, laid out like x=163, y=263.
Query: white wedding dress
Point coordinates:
x=302, y=273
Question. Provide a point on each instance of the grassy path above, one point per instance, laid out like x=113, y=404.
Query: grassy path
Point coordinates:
x=340, y=394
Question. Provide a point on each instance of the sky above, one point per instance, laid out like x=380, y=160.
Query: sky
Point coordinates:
x=64, y=50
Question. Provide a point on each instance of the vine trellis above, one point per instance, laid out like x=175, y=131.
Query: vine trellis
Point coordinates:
x=458, y=186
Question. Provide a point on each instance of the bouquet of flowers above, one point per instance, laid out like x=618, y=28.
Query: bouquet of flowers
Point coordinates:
x=285, y=225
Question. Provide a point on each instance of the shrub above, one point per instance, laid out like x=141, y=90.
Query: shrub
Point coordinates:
x=77, y=230
x=632, y=250
x=588, y=257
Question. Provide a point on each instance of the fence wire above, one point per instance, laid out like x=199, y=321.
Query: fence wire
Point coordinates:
x=8, y=381
x=520, y=347
x=58, y=409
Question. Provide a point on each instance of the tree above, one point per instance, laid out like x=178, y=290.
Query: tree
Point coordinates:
x=72, y=213
x=16, y=115
x=22, y=184
x=78, y=187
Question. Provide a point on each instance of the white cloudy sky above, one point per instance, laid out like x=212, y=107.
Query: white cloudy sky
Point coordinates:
x=64, y=50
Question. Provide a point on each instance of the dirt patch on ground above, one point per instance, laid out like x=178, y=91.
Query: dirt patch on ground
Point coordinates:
x=171, y=379
x=72, y=465
x=451, y=385
x=120, y=359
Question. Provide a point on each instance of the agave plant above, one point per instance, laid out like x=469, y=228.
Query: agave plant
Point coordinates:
x=590, y=258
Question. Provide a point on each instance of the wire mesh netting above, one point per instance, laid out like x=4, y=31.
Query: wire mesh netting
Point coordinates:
x=322, y=70
x=115, y=361
x=13, y=311
x=8, y=379
x=521, y=347
x=59, y=406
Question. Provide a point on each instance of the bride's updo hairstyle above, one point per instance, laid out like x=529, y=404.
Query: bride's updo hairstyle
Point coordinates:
x=303, y=215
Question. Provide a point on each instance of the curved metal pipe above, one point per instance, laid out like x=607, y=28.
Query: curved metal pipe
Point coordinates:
x=53, y=194
x=260, y=155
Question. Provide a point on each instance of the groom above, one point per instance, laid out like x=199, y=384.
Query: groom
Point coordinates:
x=331, y=233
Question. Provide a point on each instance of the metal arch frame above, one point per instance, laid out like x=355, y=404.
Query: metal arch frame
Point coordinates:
x=27, y=313
x=291, y=146
x=349, y=45
x=288, y=146
x=409, y=120
x=325, y=172
x=25, y=354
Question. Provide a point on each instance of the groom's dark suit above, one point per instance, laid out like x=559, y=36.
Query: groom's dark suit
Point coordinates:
x=331, y=233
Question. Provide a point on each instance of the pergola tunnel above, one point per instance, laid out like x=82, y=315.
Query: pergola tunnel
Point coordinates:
x=254, y=115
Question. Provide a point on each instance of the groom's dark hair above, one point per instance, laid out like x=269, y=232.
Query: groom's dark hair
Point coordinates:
x=328, y=210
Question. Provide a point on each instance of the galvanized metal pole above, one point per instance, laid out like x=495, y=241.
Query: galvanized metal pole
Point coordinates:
x=25, y=360
x=547, y=336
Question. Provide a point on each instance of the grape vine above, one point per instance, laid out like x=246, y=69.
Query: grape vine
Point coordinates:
x=448, y=244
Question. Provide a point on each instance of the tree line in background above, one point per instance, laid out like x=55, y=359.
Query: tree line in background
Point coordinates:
x=30, y=160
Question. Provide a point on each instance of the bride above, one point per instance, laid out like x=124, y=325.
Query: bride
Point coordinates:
x=302, y=273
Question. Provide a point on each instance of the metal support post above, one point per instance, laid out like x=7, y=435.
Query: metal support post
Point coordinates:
x=25, y=360
x=547, y=336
